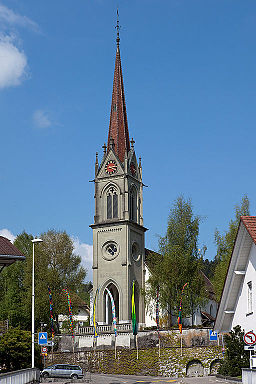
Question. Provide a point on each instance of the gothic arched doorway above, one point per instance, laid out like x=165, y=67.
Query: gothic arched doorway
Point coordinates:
x=107, y=303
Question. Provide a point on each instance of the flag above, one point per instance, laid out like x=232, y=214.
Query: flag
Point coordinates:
x=113, y=310
x=134, y=323
x=180, y=309
x=51, y=311
x=93, y=316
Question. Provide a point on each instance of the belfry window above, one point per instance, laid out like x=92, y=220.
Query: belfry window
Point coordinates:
x=133, y=205
x=112, y=204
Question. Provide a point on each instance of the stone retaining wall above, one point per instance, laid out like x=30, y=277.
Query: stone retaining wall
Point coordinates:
x=195, y=361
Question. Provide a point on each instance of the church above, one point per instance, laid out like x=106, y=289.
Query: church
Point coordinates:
x=118, y=230
x=119, y=253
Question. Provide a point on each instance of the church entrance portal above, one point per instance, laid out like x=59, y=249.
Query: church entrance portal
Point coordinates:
x=107, y=303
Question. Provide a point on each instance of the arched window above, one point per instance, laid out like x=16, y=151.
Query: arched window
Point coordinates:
x=133, y=204
x=112, y=203
x=107, y=303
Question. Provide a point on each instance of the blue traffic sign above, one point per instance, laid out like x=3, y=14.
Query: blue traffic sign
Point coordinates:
x=42, y=338
x=213, y=335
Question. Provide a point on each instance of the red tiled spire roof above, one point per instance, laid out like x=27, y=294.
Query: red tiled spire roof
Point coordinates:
x=118, y=127
x=250, y=225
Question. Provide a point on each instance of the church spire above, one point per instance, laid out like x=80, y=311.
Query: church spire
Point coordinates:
x=118, y=127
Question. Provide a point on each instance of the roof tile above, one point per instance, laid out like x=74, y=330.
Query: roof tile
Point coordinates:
x=7, y=248
x=250, y=224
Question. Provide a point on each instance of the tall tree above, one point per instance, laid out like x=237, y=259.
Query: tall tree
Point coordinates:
x=225, y=243
x=15, y=350
x=179, y=262
x=56, y=266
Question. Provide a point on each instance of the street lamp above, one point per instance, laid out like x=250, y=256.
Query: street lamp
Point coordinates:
x=33, y=301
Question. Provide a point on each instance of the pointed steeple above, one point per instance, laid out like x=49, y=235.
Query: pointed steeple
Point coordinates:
x=118, y=127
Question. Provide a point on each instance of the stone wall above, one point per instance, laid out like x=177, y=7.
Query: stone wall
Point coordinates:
x=146, y=339
x=195, y=361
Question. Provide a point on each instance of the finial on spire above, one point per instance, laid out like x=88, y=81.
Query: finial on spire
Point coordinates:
x=117, y=29
x=132, y=142
x=104, y=148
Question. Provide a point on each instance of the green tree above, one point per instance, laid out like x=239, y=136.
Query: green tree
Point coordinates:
x=179, y=263
x=225, y=244
x=235, y=357
x=15, y=350
x=56, y=266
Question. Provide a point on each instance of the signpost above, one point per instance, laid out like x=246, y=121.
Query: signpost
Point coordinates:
x=42, y=338
x=250, y=338
x=250, y=347
x=250, y=341
x=213, y=335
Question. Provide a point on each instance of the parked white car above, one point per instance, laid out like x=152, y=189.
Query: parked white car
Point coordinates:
x=63, y=370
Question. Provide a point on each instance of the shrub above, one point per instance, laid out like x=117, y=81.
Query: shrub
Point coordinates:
x=235, y=357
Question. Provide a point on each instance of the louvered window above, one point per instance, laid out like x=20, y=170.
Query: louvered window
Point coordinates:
x=109, y=206
x=112, y=204
x=133, y=205
x=115, y=205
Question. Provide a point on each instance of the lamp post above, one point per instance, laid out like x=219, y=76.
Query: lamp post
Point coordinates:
x=33, y=301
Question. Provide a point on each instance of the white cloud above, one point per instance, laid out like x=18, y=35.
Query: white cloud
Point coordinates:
x=8, y=234
x=7, y=16
x=13, y=63
x=41, y=119
x=85, y=251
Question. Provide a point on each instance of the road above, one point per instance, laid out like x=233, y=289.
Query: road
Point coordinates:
x=122, y=379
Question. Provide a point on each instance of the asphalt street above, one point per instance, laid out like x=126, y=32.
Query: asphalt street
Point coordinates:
x=122, y=379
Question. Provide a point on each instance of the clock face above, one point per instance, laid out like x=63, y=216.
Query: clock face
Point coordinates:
x=111, y=167
x=133, y=169
x=110, y=250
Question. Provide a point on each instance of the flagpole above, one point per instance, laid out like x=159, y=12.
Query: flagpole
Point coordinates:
x=137, y=347
x=115, y=347
x=159, y=347
x=181, y=344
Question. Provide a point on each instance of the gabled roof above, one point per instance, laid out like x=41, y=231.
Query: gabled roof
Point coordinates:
x=8, y=253
x=118, y=127
x=250, y=224
x=246, y=236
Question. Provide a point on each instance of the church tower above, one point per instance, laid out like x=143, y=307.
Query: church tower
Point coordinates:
x=118, y=231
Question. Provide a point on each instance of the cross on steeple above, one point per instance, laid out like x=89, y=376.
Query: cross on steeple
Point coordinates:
x=117, y=29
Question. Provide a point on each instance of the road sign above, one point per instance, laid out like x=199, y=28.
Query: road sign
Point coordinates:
x=250, y=338
x=213, y=335
x=42, y=338
x=44, y=349
x=250, y=347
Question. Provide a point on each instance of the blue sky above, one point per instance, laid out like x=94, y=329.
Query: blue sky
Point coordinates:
x=189, y=76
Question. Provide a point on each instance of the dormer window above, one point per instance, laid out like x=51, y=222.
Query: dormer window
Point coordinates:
x=112, y=204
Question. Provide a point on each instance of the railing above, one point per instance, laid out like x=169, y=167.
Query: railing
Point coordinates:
x=105, y=329
x=24, y=376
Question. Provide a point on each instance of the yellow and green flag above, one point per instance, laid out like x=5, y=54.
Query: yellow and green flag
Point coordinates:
x=94, y=314
x=134, y=322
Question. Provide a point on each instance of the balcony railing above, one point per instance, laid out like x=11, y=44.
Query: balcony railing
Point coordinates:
x=105, y=329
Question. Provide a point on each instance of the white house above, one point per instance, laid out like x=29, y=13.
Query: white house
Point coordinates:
x=238, y=301
x=204, y=316
x=80, y=318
